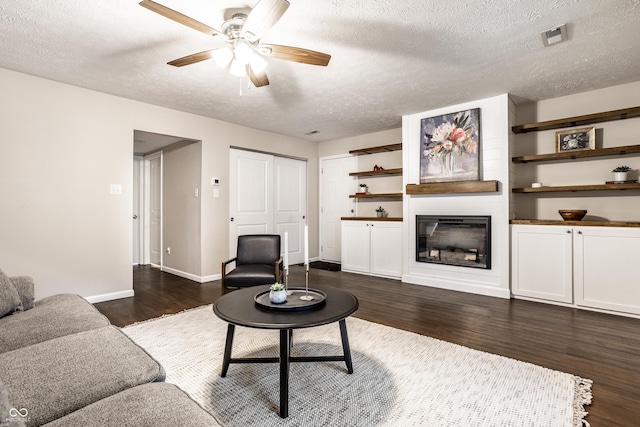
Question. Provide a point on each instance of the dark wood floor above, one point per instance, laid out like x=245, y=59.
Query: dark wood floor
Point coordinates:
x=597, y=346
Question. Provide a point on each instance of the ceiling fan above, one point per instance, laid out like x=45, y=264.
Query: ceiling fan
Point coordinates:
x=243, y=53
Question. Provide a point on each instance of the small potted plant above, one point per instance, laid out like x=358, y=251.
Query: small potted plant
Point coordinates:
x=277, y=293
x=620, y=173
x=380, y=212
x=363, y=188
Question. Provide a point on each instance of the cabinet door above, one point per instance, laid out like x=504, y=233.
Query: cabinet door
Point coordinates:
x=607, y=268
x=355, y=246
x=386, y=249
x=542, y=262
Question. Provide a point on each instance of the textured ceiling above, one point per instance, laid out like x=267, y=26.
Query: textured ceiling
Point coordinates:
x=389, y=57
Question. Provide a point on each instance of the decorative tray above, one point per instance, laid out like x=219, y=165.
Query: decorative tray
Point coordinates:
x=293, y=301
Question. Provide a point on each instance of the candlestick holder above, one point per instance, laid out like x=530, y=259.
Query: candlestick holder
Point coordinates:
x=306, y=296
x=286, y=281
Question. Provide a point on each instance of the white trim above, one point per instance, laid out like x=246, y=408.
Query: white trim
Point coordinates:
x=109, y=297
x=576, y=306
x=468, y=286
x=195, y=278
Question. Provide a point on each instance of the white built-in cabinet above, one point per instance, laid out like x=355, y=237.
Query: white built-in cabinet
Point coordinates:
x=372, y=247
x=542, y=258
x=593, y=267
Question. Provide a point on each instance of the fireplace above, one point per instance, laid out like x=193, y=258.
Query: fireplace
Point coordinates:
x=463, y=241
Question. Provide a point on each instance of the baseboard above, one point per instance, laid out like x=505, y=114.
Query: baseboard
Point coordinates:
x=109, y=297
x=457, y=285
x=190, y=276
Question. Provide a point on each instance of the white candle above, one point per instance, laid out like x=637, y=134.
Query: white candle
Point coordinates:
x=306, y=245
x=286, y=250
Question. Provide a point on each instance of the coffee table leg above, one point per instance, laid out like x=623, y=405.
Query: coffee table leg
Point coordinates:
x=284, y=371
x=227, y=350
x=345, y=346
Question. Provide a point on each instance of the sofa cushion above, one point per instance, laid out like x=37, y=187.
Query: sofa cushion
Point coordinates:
x=52, y=317
x=26, y=289
x=10, y=416
x=10, y=301
x=56, y=377
x=148, y=405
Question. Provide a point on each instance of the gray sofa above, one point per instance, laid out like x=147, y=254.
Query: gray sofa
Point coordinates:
x=63, y=364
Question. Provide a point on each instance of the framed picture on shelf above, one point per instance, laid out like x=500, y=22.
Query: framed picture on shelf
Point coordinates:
x=449, y=146
x=576, y=139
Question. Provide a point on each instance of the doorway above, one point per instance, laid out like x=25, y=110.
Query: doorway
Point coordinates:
x=335, y=187
x=267, y=195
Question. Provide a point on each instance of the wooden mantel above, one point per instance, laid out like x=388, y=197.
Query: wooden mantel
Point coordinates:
x=453, y=187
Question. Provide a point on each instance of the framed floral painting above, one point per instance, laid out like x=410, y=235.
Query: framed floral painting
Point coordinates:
x=449, y=147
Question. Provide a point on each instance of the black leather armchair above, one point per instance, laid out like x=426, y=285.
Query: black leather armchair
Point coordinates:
x=258, y=262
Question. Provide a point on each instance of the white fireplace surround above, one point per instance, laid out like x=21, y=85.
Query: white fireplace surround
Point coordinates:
x=496, y=118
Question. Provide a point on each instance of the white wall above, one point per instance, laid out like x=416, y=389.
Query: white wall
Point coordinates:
x=60, y=148
x=494, y=145
x=614, y=206
x=181, y=221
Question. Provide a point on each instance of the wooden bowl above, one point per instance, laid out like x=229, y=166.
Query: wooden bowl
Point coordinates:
x=572, y=215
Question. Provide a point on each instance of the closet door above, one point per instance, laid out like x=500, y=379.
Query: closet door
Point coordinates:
x=250, y=195
x=268, y=195
x=290, y=204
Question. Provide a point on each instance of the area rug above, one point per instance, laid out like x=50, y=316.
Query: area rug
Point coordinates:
x=400, y=378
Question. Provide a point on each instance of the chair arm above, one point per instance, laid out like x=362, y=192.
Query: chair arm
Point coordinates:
x=225, y=263
x=26, y=289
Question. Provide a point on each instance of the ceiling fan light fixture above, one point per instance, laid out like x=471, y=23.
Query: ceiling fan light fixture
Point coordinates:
x=258, y=63
x=223, y=56
x=243, y=52
x=237, y=68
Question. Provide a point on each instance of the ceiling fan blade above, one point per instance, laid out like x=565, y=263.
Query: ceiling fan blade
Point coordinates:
x=192, y=59
x=258, y=79
x=295, y=54
x=179, y=18
x=263, y=17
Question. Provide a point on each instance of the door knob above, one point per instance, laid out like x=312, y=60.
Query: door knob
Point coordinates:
x=135, y=216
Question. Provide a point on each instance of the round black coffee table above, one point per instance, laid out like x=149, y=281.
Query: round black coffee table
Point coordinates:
x=240, y=308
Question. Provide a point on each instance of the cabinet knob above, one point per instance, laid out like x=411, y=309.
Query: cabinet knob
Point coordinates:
x=579, y=232
x=568, y=231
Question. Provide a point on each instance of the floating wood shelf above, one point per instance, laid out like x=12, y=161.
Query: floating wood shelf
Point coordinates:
x=588, y=119
x=453, y=187
x=384, y=172
x=370, y=218
x=572, y=155
x=575, y=223
x=379, y=149
x=597, y=187
x=375, y=196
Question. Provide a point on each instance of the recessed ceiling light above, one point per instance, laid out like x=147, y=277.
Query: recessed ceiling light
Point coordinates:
x=554, y=35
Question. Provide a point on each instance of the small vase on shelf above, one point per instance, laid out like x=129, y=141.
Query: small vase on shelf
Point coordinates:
x=620, y=174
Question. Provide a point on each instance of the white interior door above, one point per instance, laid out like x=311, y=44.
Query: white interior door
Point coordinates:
x=335, y=187
x=138, y=179
x=290, y=202
x=250, y=195
x=155, y=208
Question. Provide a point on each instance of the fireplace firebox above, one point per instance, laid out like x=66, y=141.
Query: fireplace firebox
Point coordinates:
x=463, y=241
